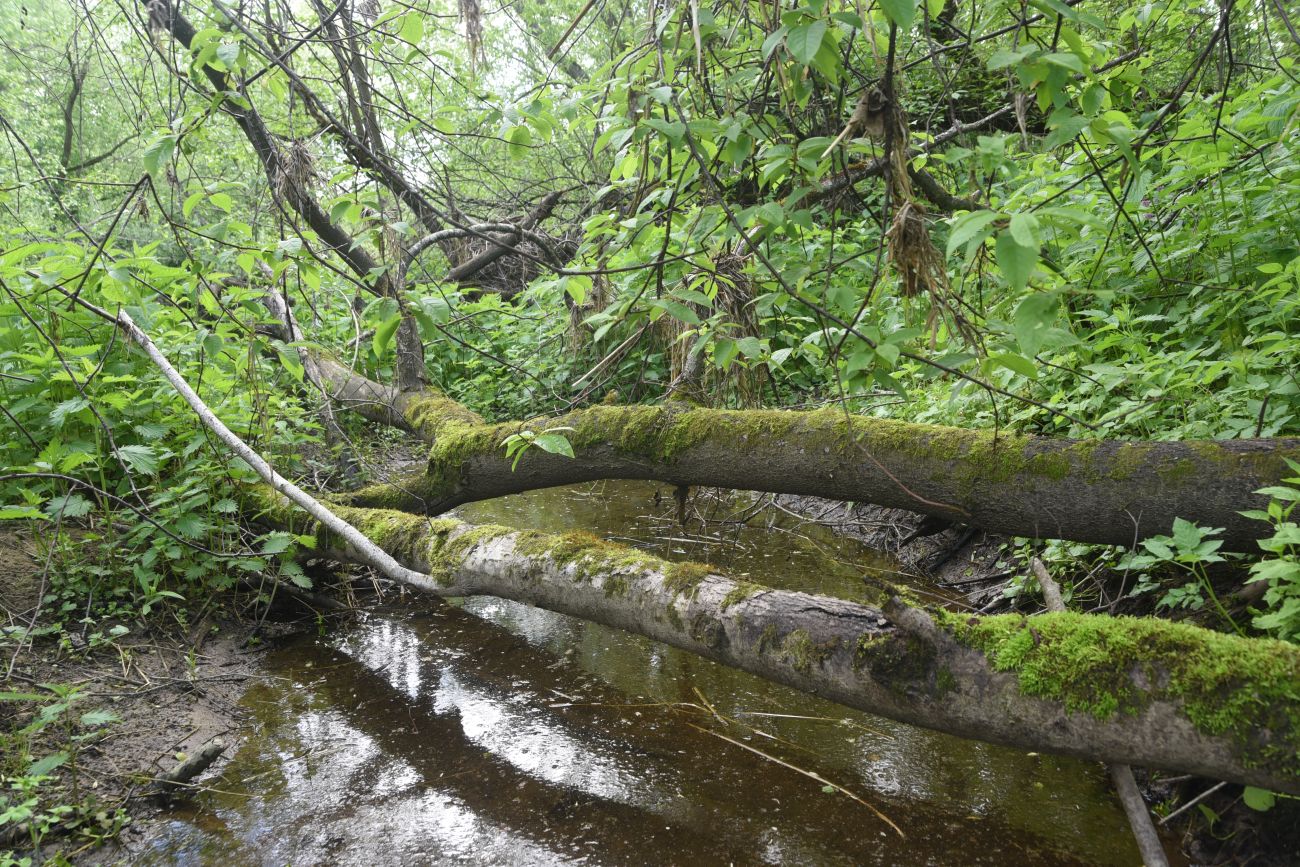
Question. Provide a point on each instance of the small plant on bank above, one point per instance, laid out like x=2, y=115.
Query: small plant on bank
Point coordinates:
x=36, y=801
x=1189, y=549
x=1281, y=570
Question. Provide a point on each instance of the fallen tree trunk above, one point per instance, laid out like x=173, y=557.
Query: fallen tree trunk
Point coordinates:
x=1122, y=690
x=1102, y=491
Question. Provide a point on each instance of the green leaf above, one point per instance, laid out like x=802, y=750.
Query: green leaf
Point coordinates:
x=98, y=718
x=290, y=361
x=901, y=12
x=1258, y=799
x=1016, y=260
x=1017, y=363
x=675, y=130
x=228, y=53
x=677, y=310
x=967, y=226
x=1024, y=228
x=142, y=459
x=750, y=347
x=20, y=513
x=1032, y=320
x=412, y=28
x=519, y=140
x=71, y=505
x=555, y=443
x=384, y=334
x=805, y=41
x=158, y=153
x=47, y=764
x=276, y=543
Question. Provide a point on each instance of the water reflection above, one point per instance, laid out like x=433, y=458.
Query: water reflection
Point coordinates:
x=494, y=733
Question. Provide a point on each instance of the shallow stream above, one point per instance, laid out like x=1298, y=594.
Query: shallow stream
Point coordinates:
x=494, y=733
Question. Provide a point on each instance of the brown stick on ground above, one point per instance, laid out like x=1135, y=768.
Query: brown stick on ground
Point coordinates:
x=190, y=768
x=1139, y=817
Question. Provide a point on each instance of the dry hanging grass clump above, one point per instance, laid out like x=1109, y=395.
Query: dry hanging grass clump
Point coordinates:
x=472, y=16
x=297, y=170
x=921, y=267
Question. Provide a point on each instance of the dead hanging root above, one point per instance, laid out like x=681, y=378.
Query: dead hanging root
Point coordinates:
x=921, y=267
x=472, y=15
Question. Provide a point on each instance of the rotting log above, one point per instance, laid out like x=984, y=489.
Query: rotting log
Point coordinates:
x=1121, y=690
x=1102, y=491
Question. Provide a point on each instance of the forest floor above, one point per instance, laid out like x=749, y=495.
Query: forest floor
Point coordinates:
x=171, y=689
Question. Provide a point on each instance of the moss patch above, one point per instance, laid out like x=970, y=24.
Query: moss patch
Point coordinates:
x=803, y=653
x=742, y=591
x=683, y=579
x=1246, y=688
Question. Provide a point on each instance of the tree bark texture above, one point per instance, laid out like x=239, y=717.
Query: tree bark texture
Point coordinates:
x=1121, y=690
x=1102, y=491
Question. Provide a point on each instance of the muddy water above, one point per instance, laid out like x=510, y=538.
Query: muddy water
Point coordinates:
x=493, y=733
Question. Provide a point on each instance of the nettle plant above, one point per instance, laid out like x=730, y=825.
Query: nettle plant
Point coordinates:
x=1281, y=570
x=1190, y=550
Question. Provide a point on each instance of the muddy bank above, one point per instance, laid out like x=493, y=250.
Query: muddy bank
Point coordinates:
x=156, y=695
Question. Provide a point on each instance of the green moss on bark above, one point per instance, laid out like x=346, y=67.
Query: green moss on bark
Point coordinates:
x=742, y=591
x=1245, y=688
x=803, y=653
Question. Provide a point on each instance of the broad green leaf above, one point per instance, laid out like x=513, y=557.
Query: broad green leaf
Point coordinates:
x=677, y=310
x=228, y=53
x=1024, y=228
x=1016, y=260
x=142, y=459
x=20, y=513
x=901, y=12
x=98, y=717
x=967, y=226
x=1278, y=492
x=673, y=130
x=70, y=505
x=384, y=334
x=1258, y=799
x=1032, y=319
x=412, y=28
x=519, y=140
x=43, y=767
x=805, y=41
x=1017, y=363
x=158, y=153
x=555, y=443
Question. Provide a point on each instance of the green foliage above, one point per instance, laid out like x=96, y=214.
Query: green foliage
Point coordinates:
x=1190, y=549
x=41, y=796
x=551, y=440
x=98, y=440
x=1280, y=570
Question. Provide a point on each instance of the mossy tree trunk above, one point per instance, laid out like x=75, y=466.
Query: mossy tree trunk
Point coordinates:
x=1122, y=690
x=1102, y=491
